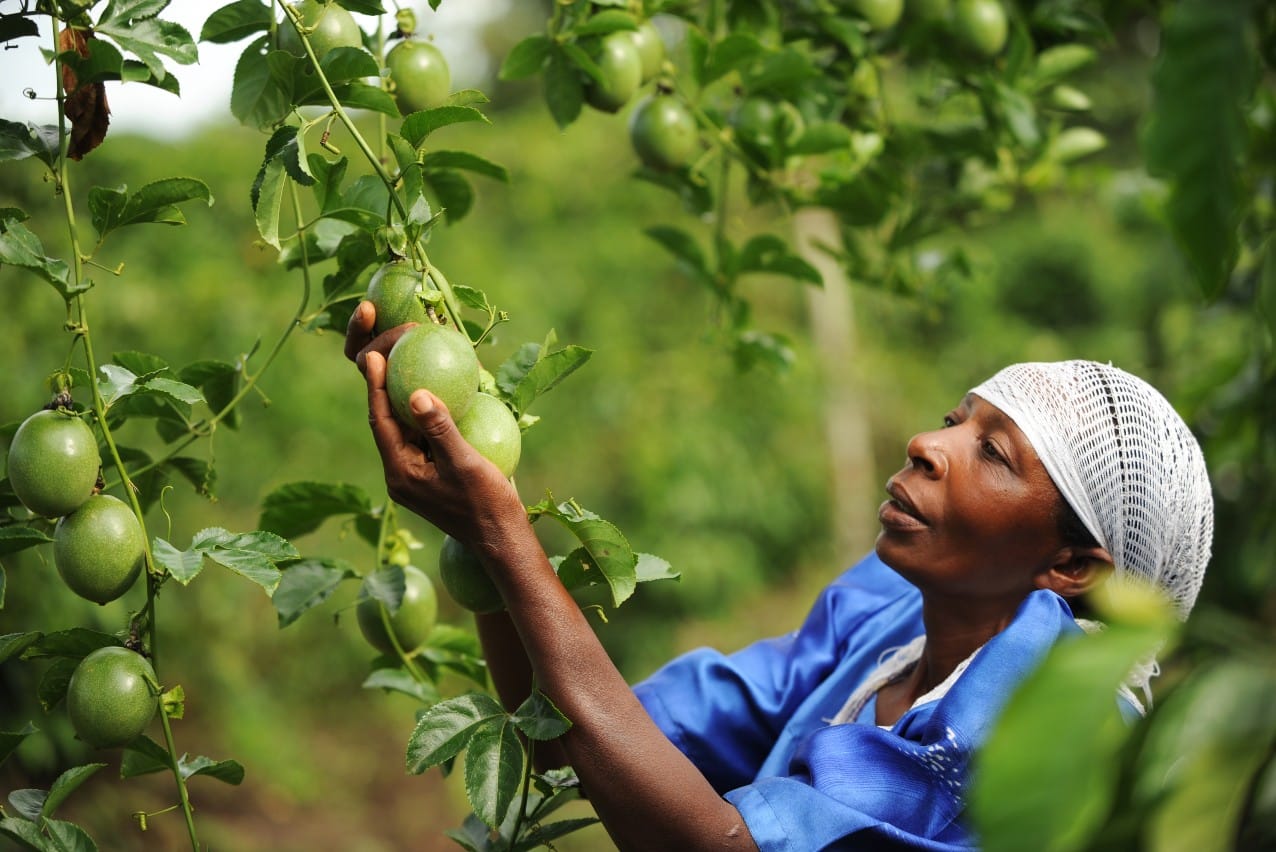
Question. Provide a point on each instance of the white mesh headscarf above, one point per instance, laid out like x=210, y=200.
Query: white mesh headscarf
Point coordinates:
x=1125, y=462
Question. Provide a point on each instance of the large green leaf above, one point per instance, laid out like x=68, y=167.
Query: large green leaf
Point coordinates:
x=21, y=248
x=445, y=729
x=604, y=550
x=296, y=508
x=135, y=25
x=65, y=785
x=235, y=21
x=307, y=584
x=261, y=88
x=14, y=539
x=1046, y=776
x=1196, y=137
x=493, y=769
x=19, y=141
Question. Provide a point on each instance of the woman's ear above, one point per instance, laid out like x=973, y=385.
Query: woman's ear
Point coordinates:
x=1076, y=570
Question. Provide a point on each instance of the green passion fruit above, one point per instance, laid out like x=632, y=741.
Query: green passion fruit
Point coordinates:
x=489, y=426
x=651, y=49
x=420, y=75
x=393, y=291
x=437, y=358
x=329, y=26
x=663, y=133
x=880, y=14
x=413, y=621
x=99, y=549
x=465, y=580
x=981, y=26
x=53, y=463
x=111, y=697
x=621, y=66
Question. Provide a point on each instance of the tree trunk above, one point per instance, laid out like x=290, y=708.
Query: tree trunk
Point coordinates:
x=853, y=481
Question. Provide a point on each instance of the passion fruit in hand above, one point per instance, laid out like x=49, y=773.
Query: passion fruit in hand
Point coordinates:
x=420, y=75
x=99, y=549
x=437, y=358
x=53, y=463
x=489, y=426
x=111, y=697
x=413, y=621
x=394, y=292
x=465, y=580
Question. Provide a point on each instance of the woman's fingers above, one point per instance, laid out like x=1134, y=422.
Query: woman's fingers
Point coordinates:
x=438, y=427
x=359, y=329
x=385, y=429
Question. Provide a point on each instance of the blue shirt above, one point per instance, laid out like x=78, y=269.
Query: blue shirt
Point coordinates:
x=756, y=722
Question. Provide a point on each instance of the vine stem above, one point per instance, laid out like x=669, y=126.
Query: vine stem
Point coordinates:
x=383, y=530
x=99, y=411
x=449, y=298
x=527, y=788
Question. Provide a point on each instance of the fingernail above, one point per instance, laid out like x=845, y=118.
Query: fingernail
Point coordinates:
x=421, y=403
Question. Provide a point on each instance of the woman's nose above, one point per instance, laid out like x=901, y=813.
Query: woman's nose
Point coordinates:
x=926, y=452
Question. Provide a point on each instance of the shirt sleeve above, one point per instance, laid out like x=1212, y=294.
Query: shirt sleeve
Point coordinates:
x=725, y=711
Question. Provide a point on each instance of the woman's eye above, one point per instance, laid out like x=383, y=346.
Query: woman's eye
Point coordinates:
x=990, y=450
x=949, y=420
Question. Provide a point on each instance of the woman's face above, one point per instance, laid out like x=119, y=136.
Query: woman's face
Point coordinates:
x=973, y=515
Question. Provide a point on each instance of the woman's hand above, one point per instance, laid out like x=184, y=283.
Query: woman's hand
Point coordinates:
x=435, y=472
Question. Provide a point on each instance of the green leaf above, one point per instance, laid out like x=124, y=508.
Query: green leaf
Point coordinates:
x=10, y=740
x=361, y=95
x=525, y=58
x=155, y=202
x=733, y=52
x=51, y=689
x=183, y=565
x=68, y=837
x=683, y=247
x=261, y=88
x=235, y=21
x=605, y=549
x=268, y=189
x=650, y=568
x=75, y=643
x=297, y=508
x=769, y=253
x=219, y=381
x=251, y=554
x=609, y=21
x=446, y=728
x=493, y=769
x=529, y=372
x=399, y=680
x=387, y=585
x=539, y=719
x=467, y=161
x=306, y=584
x=369, y=7
x=19, y=141
x=454, y=192
x=1204, y=747
x=65, y=785
x=1203, y=80
x=564, y=94
x=1053, y=799
x=134, y=26
x=227, y=771
x=144, y=756
x=1055, y=63
x=1073, y=143
x=14, y=539
x=417, y=126
x=28, y=802
x=21, y=248
x=545, y=833
x=1019, y=114
x=17, y=26
x=24, y=832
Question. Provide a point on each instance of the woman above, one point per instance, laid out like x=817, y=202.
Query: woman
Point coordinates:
x=855, y=731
